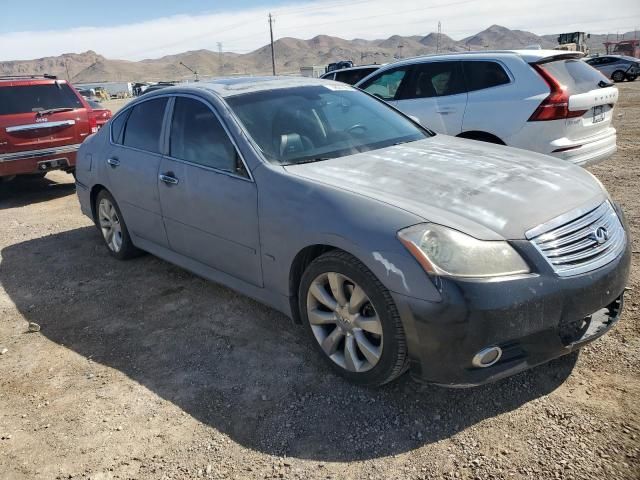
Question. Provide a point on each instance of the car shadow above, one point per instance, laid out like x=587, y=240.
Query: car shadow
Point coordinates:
x=232, y=363
x=26, y=191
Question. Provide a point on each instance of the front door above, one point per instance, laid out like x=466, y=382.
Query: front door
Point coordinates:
x=209, y=202
x=132, y=165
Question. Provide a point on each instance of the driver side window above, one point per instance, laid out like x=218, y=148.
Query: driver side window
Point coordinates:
x=387, y=84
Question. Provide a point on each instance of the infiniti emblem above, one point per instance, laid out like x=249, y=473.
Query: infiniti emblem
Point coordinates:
x=600, y=235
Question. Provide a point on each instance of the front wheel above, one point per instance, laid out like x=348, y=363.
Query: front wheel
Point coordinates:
x=631, y=78
x=617, y=76
x=352, y=320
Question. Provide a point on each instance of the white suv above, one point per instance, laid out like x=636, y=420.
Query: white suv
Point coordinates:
x=542, y=100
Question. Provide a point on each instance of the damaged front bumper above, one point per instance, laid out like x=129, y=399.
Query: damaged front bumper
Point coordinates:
x=532, y=318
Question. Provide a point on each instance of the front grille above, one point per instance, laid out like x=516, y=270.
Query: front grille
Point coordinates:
x=580, y=243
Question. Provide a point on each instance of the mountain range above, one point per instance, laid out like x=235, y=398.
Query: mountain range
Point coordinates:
x=291, y=54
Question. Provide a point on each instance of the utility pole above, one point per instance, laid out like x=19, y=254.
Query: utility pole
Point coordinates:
x=221, y=65
x=66, y=66
x=273, y=55
x=438, y=37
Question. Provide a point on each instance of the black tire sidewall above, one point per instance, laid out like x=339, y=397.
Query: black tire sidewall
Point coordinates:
x=392, y=346
x=621, y=76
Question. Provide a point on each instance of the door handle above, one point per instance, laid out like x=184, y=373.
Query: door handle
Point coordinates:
x=168, y=178
x=445, y=111
x=114, y=162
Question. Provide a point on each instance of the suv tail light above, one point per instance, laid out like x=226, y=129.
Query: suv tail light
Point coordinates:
x=93, y=122
x=556, y=105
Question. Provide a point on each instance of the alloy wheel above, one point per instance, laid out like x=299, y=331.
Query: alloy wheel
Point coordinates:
x=110, y=225
x=344, y=322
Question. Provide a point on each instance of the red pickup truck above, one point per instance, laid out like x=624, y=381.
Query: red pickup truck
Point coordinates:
x=43, y=121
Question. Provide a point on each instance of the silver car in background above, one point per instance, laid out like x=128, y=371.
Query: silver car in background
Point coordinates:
x=616, y=67
x=398, y=249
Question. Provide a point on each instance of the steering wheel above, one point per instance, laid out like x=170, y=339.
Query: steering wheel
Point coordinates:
x=358, y=126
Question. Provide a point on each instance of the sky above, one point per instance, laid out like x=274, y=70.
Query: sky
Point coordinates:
x=139, y=29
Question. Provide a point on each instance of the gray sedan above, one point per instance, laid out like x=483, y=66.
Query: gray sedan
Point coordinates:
x=616, y=67
x=398, y=249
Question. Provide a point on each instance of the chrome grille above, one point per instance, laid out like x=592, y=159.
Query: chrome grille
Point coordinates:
x=582, y=242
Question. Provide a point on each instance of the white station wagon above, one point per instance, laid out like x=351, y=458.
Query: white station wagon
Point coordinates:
x=546, y=101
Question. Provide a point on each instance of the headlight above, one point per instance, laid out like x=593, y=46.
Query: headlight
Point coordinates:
x=447, y=252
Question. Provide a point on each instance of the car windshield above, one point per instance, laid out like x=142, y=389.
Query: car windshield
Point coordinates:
x=312, y=123
x=34, y=98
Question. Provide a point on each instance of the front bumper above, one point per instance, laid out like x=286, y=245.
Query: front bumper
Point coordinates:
x=534, y=318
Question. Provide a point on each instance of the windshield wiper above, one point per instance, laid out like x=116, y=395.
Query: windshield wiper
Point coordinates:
x=404, y=141
x=49, y=111
x=310, y=160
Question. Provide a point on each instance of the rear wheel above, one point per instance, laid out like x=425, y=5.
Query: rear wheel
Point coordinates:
x=618, y=76
x=631, y=78
x=352, y=320
x=112, y=227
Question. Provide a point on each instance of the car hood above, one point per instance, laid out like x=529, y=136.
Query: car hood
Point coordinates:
x=488, y=191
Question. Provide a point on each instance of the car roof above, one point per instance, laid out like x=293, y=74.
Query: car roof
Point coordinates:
x=20, y=80
x=230, y=86
x=357, y=67
x=529, y=56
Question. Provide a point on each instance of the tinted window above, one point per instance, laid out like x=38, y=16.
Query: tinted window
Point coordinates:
x=481, y=75
x=144, y=125
x=315, y=123
x=117, y=127
x=435, y=79
x=198, y=137
x=387, y=84
x=575, y=75
x=33, y=98
x=353, y=76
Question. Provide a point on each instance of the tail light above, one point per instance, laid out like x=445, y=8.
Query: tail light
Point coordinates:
x=556, y=105
x=93, y=122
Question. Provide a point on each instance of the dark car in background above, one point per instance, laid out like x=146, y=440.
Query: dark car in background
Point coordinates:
x=352, y=75
x=616, y=67
x=43, y=121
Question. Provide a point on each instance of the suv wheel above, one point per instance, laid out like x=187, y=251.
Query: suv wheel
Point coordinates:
x=111, y=224
x=617, y=76
x=352, y=320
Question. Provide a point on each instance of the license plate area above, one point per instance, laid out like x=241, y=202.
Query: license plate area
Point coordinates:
x=598, y=113
x=54, y=164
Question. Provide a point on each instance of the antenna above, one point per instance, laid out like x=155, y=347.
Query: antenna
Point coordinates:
x=191, y=70
x=273, y=55
x=438, y=37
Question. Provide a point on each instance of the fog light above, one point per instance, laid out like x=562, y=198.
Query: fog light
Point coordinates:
x=487, y=357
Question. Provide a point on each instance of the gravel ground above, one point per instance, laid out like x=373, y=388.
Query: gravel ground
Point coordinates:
x=143, y=371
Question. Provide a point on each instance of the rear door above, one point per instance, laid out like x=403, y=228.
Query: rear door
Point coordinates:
x=209, y=202
x=132, y=166
x=589, y=92
x=435, y=93
x=41, y=116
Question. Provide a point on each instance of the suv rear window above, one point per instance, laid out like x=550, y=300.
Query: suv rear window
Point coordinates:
x=32, y=98
x=575, y=75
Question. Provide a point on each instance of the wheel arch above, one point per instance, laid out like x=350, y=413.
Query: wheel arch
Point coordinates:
x=481, y=136
x=95, y=190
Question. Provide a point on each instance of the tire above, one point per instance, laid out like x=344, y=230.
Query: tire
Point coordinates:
x=631, y=78
x=112, y=227
x=618, y=76
x=373, y=326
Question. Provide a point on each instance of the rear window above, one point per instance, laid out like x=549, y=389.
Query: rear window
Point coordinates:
x=33, y=98
x=484, y=74
x=144, y=125
x=575, y=75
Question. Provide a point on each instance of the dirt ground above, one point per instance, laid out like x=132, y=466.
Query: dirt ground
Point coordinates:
x=144, y=371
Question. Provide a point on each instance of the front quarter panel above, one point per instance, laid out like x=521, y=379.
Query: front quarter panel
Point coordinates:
x=296, y=213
